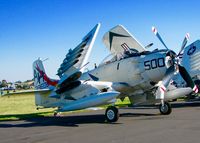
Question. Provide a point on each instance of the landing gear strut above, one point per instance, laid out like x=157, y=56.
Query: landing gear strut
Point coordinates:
x=165, y=108
x=112, y=114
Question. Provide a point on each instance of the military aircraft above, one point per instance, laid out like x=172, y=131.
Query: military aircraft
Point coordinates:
x=130, y=71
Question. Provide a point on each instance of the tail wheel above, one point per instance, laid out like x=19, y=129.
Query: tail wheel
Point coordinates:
x=112, y=114
x=165, y=109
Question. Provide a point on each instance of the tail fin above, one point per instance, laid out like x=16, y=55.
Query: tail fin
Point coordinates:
x=41, y=80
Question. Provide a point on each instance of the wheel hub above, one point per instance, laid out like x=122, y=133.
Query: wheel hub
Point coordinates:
x=110, y=114
x=164, y=108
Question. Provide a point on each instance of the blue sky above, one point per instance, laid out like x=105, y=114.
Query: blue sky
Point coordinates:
x=48, y=28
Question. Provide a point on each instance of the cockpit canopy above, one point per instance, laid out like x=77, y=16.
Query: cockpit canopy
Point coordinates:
x=126, y=54
x=116, y=57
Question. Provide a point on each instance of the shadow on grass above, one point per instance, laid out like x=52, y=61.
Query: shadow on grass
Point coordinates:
x=14, y=117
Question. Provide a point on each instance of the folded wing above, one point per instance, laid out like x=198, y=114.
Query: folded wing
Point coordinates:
x=118, y=40
x=78, y=57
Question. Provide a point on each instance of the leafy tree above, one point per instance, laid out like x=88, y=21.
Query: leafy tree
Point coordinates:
x=26, y=86
x=19, y=86
x=4, y=83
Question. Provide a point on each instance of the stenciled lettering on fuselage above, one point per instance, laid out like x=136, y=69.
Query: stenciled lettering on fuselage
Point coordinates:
x=154, y=63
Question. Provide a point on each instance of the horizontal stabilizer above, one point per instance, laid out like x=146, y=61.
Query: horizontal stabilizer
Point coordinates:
x=27, y=92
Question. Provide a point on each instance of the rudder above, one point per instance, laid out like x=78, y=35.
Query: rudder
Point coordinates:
x=41, y=80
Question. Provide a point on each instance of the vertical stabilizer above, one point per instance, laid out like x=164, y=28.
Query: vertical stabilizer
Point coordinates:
x=41, y=80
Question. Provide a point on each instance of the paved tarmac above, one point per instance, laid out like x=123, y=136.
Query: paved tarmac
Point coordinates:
x=140, y=125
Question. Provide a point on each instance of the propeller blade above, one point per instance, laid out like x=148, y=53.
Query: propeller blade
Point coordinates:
x=168, y=76
x=185, y=75
x=165, y=82
x=187, y=36
x=158, y=36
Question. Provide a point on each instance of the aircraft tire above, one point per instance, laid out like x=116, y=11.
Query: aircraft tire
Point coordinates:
x=112, y=114
x=166, y=109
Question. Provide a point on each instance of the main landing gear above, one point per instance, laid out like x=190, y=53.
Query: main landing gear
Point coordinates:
x=165, y=108
x=112, y=114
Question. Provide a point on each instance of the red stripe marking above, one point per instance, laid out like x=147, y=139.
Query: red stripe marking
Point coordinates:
x=163, y=89
x=46, y=78
x=154, y=30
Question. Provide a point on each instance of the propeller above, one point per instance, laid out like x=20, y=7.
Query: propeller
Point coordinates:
x=187, y=36
x=155, y=31
x=175, y=66
x=164, y=83
x=186, y=76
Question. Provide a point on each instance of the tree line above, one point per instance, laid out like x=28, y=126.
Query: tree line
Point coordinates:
x=16, y=85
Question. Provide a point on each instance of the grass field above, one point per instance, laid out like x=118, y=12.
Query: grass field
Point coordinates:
x=22, y=106
x=19, y=107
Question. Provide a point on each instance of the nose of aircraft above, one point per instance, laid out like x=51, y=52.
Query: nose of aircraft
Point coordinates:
x=170, y=58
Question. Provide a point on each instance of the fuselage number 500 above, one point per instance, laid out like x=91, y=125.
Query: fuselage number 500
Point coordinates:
x=154, y=63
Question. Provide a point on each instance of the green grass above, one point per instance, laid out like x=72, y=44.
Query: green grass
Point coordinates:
x=16, y=107
x=125, y=102
x=22, y=106
x=13, y=117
